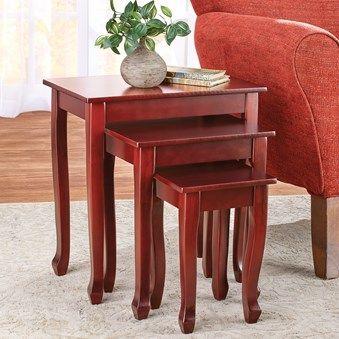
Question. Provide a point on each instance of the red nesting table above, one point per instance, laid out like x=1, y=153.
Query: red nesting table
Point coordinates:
x=107, y=99
x=153, y=144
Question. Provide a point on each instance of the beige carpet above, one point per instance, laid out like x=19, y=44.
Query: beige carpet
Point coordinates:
x=36, y=303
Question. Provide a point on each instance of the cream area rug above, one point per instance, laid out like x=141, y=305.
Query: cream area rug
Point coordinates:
x=35, y=303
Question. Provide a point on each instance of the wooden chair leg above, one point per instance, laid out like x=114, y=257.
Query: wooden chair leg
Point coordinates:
x=221, y=223
x=238, y=241
x=253, y=254
x=110, y=226
x=143, y=196
x=159, y=260
x=189, y=209
x=61, y=187
x=201, y=235
x=207, y=244
x=325, y=236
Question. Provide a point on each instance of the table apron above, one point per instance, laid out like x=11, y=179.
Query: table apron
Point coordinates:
x=211, y=200
x=71, y=105
x=175, y=107
x=203, y=152
x=188, y=153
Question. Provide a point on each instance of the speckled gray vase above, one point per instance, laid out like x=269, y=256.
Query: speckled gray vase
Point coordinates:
x=143, y=68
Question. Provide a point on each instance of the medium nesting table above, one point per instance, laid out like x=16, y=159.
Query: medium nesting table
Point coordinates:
x=107, y=99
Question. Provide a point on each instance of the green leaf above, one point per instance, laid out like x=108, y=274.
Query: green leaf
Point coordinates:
x=130, y=44
x=146, y=11
x=129, y=9
x=182, y=28
x=99, y=41
x=112, y=26
x=153, y=12
x=171, y=34
x=112, y=5
x=135, y=6
x=140, y=30
x=137, y=16
x=166, y=11
x=152, y=31
x=156, y=23
x=115, y=28
x=150, y=44
x=115, y=50
x=125, y=27
x=124, y=17
x=106, y=43
x=133, y=23
x=143, y=13
x=115, y=40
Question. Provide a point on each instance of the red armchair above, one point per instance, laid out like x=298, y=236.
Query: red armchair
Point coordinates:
x=281, y=44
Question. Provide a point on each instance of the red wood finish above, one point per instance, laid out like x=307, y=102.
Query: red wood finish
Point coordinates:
x=107, y=99
x=113, y=89
x=200, y=236
x=253, y=254
x=95, y=121
x=201, y=152
x=126, y=141
x=188, y=231
x=197, y=137
x=144, y=167
x=207, y=266
x=221, y=226
x=241, y=180
x=159, y=264
x=212, y=177
x=61, y=186
x=71, y=104
x=175, y=107
x=177, y=154
x=240, y=217
x=110, y=227
x=184, y=131
x=259, y=161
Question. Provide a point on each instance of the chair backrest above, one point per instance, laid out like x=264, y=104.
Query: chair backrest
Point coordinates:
x=321, y=13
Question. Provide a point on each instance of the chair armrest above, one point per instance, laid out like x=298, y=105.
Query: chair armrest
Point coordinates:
x=203, y=6
x=299, y=64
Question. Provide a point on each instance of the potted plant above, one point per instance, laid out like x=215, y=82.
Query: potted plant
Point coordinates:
x=137, y=26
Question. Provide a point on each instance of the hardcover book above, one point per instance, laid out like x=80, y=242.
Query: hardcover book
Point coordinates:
x=194, y=73
x=201, y=83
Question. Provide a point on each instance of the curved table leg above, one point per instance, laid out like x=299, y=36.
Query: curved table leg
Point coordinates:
x=221, y=223
x=201, y=235
x=61, y=186
x=143, y=193
x=159, y=260
x=207, y=244
x=254, y=254
x=110, y=227
x=95, y=123
x=189, y=210
x=240, y=217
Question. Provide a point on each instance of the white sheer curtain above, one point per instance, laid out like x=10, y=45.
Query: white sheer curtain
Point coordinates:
x=55, y=38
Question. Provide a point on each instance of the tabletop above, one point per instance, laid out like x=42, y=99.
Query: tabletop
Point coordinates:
x=110, y=88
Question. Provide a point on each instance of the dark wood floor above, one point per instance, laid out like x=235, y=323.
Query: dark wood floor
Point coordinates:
x=25, y=162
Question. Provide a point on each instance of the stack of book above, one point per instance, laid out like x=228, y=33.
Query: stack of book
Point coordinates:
x=196, y=76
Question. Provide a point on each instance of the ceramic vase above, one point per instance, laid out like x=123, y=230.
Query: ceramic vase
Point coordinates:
x=143, y=68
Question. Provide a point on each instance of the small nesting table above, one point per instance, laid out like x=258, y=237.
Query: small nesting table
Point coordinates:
x=106, y=99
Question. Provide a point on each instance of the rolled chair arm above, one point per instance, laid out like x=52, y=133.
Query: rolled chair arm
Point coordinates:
x=299, y=64
x=202, y=6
